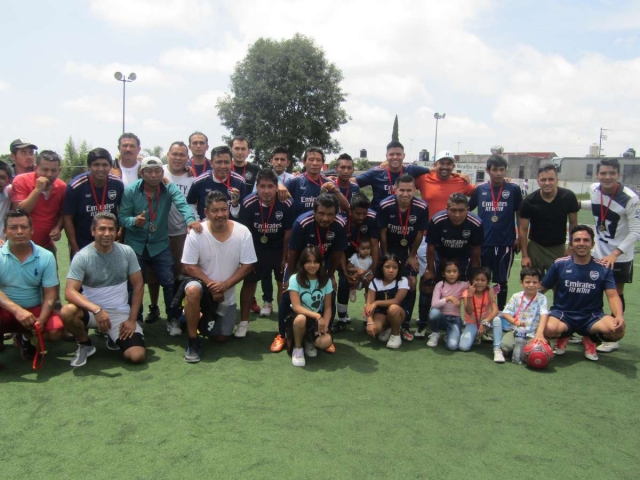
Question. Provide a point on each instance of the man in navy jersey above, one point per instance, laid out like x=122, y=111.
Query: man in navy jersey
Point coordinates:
x=344, y=170
x=403, y=219
x=498, y=204
x=198, y=163
x=221, y=179
x=305, y=188
x=616, y=211
x=454, y=234
x=247, y=170
x=270, y=221
x=324, y=229
x=88, y=194
x=361, y=223
x=579, y=282
x=383, y=180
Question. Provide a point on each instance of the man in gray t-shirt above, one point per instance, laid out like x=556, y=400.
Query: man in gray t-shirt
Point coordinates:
x=97, y=294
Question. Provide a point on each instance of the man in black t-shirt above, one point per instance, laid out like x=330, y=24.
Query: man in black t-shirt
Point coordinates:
x=543, y=220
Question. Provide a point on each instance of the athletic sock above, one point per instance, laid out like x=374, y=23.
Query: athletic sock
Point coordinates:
x=86, y=343
x=244, y=322
x=409, y=301
x=342, y=312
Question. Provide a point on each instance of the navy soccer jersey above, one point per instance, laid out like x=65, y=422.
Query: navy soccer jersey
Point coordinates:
x=348, y=193
x=367, y=229
x=82, y=203
x=207, y=183
x=382, y=181
x=248, y=172
x=454, y=242
x=507, y=201
x=304, y=191
x=579, y=288
x=306, y=232
x=277, y=220
x=402, y=225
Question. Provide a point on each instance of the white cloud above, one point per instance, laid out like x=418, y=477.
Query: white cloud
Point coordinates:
x=205, y=104
x=388, y=87
x=45, y=120
x=142, y=102
x=203, y=60
x=98, y=108
x=147, y=75
x=155, y=125
x=153, y=14
x=3, y=85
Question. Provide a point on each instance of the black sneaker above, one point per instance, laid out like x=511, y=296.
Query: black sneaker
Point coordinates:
x=153, y=315
x=192, y=355
x=339, y=326
x=27, y=351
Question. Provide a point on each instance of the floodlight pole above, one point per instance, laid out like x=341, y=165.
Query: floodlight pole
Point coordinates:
x=121, y=78
x=437, y=116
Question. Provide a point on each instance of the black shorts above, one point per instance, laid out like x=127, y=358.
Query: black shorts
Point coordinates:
x=311, y=330
x=623, y=272
x=499, y=260
x=267, y=262
x=578, y=322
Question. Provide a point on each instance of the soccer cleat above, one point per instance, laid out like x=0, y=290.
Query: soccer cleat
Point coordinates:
x=278, y=344
x=241, y=330
x=27, y=351
x=153, y=315
x=192, y=355
x=83, y=352
x=297, y=357
x=561, y=346
x=421, y=332
x=385, y=335
x=331, y=348
x=394, y=341
x=433, y=339
x=255, y=308
x=589, y=349
x=407, y=335
x=173, y=328
x=267, y=308
x=607, y=347
x=310, y=350
x=111, y=345
x=498, y=356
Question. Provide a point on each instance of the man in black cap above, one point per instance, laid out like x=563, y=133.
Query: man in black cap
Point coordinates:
x=23, y=154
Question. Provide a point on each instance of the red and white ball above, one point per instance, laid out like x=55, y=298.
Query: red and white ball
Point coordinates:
x=537, y=354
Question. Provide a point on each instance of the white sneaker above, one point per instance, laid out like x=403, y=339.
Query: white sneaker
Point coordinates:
x=394, y=341
x=498, y=356
x=421, y=332
x=241, y=330
x=173, y=327
x=297, y=357
x=607, y=347
x=384, y=336
x=433, y=339
x=310, y=350
x=266, y=309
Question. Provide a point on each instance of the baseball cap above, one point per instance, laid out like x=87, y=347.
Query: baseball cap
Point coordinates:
x=19, y=143
x=445, y=154
x=151, y=162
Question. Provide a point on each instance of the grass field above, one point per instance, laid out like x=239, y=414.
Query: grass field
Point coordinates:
x=365, y=412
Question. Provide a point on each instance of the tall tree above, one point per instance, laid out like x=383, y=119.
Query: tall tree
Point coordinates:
x=154, y=152
x=395, y=134
x=74, y=161
x=285, y=93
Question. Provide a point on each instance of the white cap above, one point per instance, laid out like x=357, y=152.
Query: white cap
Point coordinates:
x=445, y=154
x=149, y=162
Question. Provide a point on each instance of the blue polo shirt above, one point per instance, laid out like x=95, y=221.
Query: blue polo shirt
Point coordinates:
x=22, y=282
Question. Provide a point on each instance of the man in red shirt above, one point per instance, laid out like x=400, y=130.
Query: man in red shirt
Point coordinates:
x=41, y=195
x=435, y=188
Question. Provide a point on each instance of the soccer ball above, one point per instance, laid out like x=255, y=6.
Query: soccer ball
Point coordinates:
x=537, y=354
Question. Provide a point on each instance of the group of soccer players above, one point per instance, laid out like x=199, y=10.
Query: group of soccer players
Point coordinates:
x=198, y=226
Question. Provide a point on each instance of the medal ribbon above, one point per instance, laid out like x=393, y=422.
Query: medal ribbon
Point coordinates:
x=194, y=167
x=95, y=195
x=603, y=212
x=494, y=202
x=37, y=365
x=227, y=183
x=405, y=227
x=321, y=246
x=524, y=309
x=475, y=308
x=264, y=224
x=313, y=181
x=357, y=242
x=152, y=213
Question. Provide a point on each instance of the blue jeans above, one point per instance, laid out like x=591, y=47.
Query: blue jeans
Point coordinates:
x=452, y=323
x=162, y=266
x=471, y=331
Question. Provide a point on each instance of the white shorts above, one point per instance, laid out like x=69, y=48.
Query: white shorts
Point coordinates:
x=116, y=318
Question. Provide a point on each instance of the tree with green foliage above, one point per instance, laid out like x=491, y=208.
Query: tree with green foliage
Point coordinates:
x=362, y=164
x=395, y=134
x=155, y=152
x=74, y=161
x=285, y=93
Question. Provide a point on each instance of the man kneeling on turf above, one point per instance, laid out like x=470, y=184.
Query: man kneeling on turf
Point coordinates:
x=101, y=270
x=580, y=280
x=28, y=284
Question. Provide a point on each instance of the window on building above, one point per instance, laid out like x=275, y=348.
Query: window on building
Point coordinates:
x=521, y=171
x=589, y=171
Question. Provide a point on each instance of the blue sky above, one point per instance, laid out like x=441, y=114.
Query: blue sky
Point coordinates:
x=527, y=75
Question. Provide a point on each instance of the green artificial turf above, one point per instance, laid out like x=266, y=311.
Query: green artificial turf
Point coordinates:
x=365, y=412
